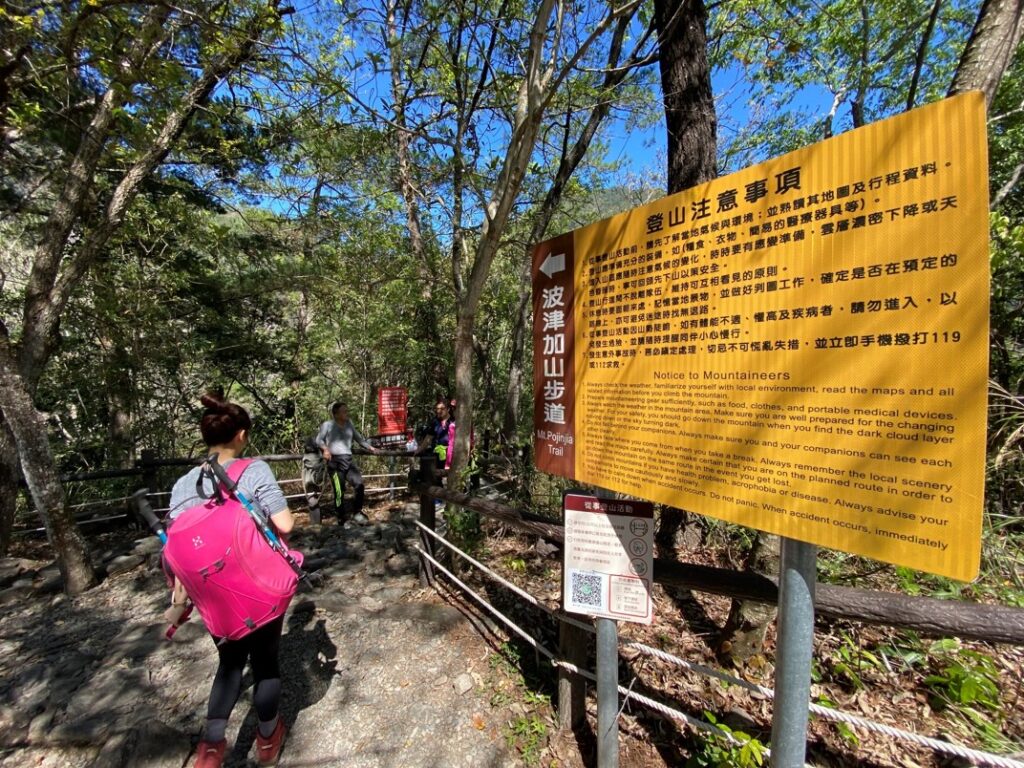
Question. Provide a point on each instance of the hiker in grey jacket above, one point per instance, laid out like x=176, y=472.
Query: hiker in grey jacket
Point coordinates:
x=335, y=440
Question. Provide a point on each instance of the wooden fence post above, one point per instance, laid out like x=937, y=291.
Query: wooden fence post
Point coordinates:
x=572, y=688
x=147, y=463
x=428, y=517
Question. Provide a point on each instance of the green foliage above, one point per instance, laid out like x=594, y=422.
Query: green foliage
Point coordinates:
x=463, y=527
x=507, y=660
x=527, y=734
x=962, y=677
x=536, y=699
x=962, y=682
x=846, y=733
x=1007, y=265
x=906, y=651
x=812, y=70
x=915, y=582
x=731, y=749
x=851, y=661
x=1006, y=141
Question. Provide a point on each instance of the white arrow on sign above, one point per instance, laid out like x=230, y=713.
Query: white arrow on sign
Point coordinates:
x=553, y=263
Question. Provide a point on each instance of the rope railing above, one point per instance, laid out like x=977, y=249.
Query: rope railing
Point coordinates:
x=925, y=615
x=526, y=636
x=657, y=706
x=505, y=582
x=983, y=758
x=977, y=757
x=534, y=643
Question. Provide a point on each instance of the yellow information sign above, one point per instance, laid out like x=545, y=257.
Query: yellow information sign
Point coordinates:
x=800, y=347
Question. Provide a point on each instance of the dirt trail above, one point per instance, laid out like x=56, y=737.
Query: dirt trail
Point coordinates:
x=375, y=675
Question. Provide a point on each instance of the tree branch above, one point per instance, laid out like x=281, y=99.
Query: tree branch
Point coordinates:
x=919, y=61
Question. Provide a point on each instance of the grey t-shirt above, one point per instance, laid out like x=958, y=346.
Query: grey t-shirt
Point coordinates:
x=338, y=440
x=257, y=483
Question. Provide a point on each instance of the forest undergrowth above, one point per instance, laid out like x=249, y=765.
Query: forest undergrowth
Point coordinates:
x=965, y=692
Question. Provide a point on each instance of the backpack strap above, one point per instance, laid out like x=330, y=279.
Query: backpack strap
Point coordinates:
x=234, y=471
x=236, y=468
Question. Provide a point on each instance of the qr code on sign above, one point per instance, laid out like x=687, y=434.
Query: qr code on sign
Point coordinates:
x=587, y=589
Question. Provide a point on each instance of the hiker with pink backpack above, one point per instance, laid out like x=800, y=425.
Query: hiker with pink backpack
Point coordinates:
x=226, y=550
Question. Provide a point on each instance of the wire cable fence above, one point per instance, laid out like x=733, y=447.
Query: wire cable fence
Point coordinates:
x=976, y=757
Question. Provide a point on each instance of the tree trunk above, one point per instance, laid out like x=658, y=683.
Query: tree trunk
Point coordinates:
x=532, y=100
x=120, y=438
x=922, y=50
x=58, y=267
x=990, y=48
x=616, y=73
x=677, y=531
x=434, y=374
x=464, y=393
x=743, y=634
x=8, y=486
x=29, y=429
x=514, y=390
x=536, y=90
x=691, y=124
x=686, y=86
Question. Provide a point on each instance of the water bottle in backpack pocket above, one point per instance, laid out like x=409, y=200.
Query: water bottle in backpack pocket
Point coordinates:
x=237, y=581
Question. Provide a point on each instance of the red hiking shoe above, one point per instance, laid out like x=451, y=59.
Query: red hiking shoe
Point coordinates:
x=210, y=754
x=269, y=749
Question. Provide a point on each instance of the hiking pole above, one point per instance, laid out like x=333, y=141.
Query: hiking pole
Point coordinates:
x=260, y=520
x=178, y=613
x=145, y=511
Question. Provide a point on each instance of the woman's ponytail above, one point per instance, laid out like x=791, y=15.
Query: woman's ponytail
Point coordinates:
x=221, y=420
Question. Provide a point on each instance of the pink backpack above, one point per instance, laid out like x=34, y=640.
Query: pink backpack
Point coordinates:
x=226, y=565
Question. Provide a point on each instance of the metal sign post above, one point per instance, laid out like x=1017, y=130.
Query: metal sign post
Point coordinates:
x=606, y=573
x=795, y=647
x=607, y=693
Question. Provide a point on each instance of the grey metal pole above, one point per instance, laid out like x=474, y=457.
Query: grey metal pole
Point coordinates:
x=607, y=693
x=793, y=655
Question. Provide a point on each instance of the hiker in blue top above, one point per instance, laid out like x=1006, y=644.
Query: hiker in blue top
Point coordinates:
x=335, y=440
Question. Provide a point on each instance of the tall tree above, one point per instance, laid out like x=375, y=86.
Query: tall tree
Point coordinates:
x=811, y=70
x=990, y=48
x=475, y=82
x=547, y=68
x=144, y=97
x=690, y=119
x=578, y=132
x=691, y=125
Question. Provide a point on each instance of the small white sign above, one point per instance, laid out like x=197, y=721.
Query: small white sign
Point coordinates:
x=608, y=557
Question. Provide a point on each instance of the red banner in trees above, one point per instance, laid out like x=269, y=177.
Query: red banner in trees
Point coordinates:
x=392, y=410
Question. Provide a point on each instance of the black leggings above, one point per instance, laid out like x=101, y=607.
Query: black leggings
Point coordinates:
x=260, y=648
x=342, y=469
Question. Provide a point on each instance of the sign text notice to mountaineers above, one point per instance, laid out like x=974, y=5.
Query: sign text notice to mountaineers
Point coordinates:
x=800, y=347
